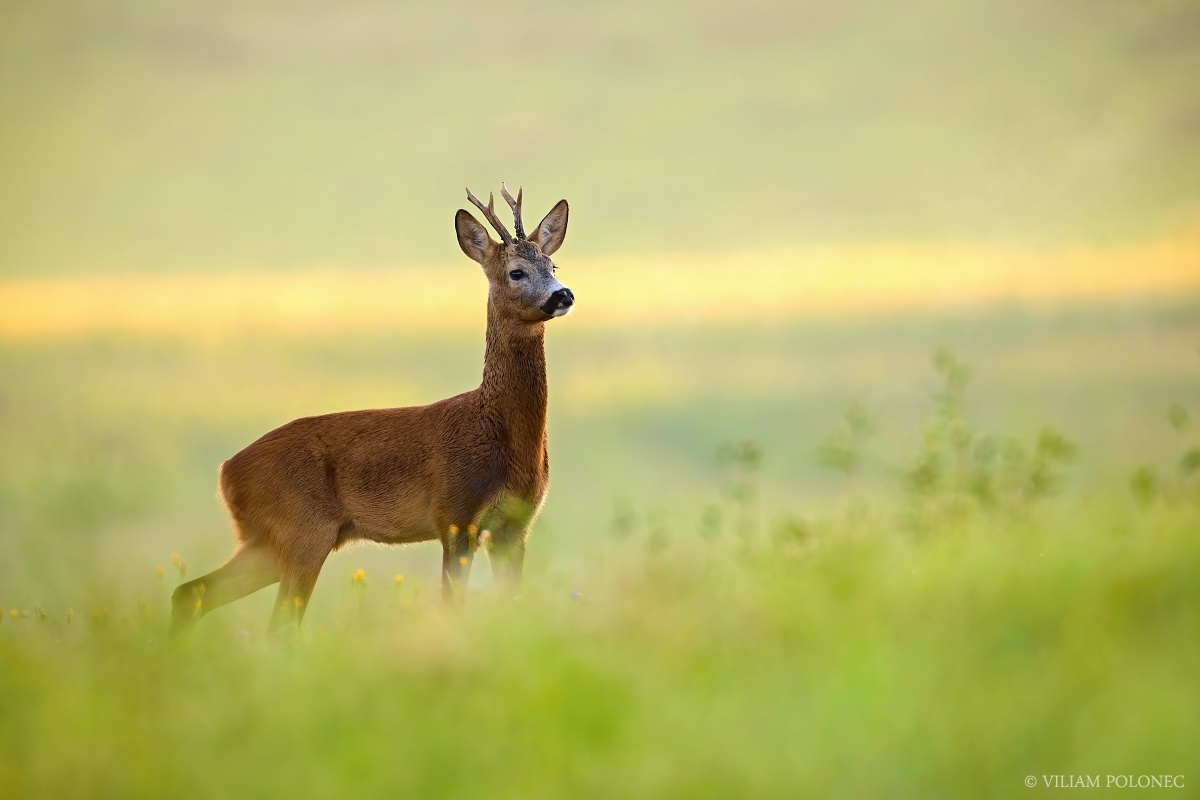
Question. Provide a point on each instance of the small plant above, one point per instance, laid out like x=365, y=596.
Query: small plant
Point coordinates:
x=1173, y=485
x=958, y=470
x=658, y=534
x=793, y=534
x=711, y=522
x=741, y=462
x=624, y=520
x=845, y=450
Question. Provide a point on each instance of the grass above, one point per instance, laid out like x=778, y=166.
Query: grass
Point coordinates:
x=859, y=662
x=938, y=615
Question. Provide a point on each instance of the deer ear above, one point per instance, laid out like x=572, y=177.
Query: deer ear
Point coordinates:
x=472, y=237
x=551, y=231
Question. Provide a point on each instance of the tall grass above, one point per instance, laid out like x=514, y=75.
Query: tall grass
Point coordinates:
x=701, y=649
x=860, y=661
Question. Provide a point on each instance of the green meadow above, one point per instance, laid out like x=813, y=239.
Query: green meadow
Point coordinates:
x=922, y=551
x=740, y=585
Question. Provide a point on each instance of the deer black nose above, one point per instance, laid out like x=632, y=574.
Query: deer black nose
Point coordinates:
x=560, y=298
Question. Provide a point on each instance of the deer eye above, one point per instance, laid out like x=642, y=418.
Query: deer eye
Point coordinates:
x=517, y=274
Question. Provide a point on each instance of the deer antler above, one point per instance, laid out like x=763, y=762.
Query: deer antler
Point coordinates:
x=489, y=212
x=515, y=205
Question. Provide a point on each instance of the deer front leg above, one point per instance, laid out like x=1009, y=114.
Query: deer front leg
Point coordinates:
x=458, y=551
x=509, y=523
x=507, y=556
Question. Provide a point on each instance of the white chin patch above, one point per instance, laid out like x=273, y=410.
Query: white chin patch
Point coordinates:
x=562, y=312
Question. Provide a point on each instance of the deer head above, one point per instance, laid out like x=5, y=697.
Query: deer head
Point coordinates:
x=523, y=287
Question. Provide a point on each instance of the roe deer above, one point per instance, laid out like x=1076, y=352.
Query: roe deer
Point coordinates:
x=444, y=471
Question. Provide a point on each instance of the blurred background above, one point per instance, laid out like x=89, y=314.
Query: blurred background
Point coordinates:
x=153, y=137
x=217, y=217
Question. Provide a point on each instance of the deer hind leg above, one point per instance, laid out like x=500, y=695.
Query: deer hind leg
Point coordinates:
x=302, y=567
x=251, y=568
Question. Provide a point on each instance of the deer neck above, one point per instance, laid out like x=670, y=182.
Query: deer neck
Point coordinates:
x=514, y=393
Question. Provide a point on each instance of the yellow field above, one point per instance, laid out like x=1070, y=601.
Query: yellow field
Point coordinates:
x=672, y=288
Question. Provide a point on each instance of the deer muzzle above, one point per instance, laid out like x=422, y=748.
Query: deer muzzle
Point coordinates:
x=559, y=302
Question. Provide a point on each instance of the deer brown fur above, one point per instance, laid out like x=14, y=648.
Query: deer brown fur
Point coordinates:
x=446, y=471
